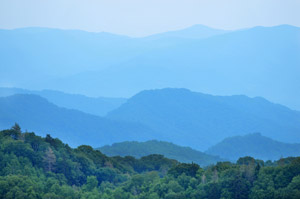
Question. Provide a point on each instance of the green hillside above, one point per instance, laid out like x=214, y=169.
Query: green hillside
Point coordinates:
x=33, y=167
x=169, y=150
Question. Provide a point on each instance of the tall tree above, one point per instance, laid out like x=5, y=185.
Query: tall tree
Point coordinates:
x=49, y=159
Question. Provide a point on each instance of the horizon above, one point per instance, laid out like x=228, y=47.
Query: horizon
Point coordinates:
x=137, y=37
x=145, y=99
x=91, y=67
x=137, y=19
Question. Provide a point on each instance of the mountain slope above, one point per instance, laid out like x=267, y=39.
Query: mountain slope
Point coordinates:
x=260, y=61
x=34, y=113
x=194, y=32
x=199, y=120
x=254, y=145
x=61, y=51
x=96, y=106
x=249, y=61
x=48, y=54
x=169, y=150
x=37, y=167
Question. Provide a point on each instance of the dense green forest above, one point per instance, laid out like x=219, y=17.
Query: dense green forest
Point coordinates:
x=167, y=149
x=36, y=167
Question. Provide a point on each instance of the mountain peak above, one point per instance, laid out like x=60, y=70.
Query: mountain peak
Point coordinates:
x=202, y=27
x=255, y=145
x=201, y=120
x=35, y=113
x=196, y=31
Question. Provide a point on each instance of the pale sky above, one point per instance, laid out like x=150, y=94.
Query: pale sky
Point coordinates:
x=145, y=17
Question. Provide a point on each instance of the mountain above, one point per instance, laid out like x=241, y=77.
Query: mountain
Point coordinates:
x=35, y=113
x=254, y=145
x=250, y=62
x=97, y=106
x=45, y=54
x=60, y=52
x=167, y=149
x=200, y=120
x=259, y=61
x=194, y=32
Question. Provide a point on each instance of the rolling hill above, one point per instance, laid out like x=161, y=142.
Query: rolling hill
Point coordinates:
x=254, y=145
x=169, y=150
x=199, y=120
x=35, y=113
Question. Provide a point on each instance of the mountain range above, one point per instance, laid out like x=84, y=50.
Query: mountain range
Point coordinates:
x=179, y=116
x=200, y=120
x=99, y=106
x=259, y=61
x=231, y=148
x=194, y=32
x=34, y=113
x=254, y=145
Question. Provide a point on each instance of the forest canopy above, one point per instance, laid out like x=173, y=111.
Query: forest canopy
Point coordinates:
x=44, y=167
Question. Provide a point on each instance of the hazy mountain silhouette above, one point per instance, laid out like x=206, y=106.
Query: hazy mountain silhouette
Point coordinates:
x=45, y=53
x=199, y=120
x=194, y=32
x=35, y=113
x=97, y=106
x=169, y=150
x=260, y=61
x=174, y=115
x=48, y=53
x=254, y=145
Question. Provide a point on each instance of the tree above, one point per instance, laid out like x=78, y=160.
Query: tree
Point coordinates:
x=91, y=183
x=188, y=169
x=16, y=127
x=49, y=160
x=15, y=131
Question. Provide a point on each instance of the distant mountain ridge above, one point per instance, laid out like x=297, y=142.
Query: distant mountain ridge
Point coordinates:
x=254, y=145
x=249, y=61
x=34, y=113
x=199, y=120
x=193, y=32
x=174, y=115
x=169, y=150
x=99, y=106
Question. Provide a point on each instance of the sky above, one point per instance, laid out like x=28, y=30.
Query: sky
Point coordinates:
x=145, y=17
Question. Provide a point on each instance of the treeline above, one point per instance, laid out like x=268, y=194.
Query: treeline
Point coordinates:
x=167, y=149
x=36, y=167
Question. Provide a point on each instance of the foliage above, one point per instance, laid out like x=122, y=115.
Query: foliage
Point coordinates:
x=169, y=150
x=36, y=167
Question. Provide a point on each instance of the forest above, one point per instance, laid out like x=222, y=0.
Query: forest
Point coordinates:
x=167, y=149
x=44, y=167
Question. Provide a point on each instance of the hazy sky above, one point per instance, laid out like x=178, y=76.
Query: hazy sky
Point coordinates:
x=144, y=17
